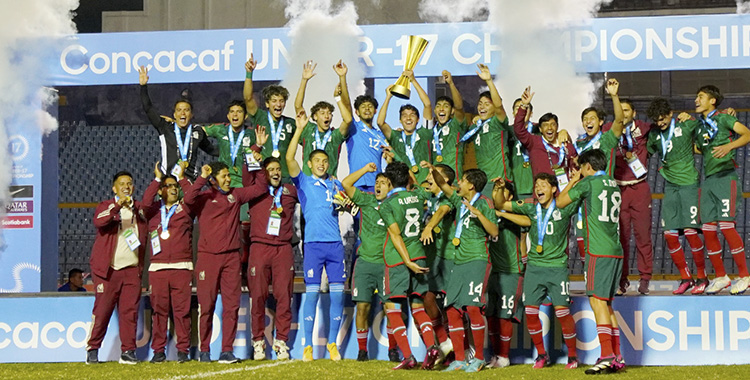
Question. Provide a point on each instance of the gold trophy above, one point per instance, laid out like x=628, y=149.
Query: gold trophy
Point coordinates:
x=417, y=45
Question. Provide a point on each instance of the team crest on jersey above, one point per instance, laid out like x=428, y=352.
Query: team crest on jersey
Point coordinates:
x=202, y=275
x=486, y=128
x=246, y=141
x=284, y=190
x=446, y=129
x=556, y=215
x=100, y=288
x=678, y=131
x=596, y=145
x=288, y=127
x=196, y=135
x=179, y=208
x=310, y=273
x=225, y=138
x=252, y=271
x=230, y=198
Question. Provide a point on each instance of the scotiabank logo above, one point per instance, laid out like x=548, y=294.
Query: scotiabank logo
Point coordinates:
x=21, y=221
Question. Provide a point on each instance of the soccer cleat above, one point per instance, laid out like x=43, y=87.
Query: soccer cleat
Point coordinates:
x=492, y=362
x=618, y=364
x=259, y=350
x=475, y=365
x=281, y=349
x=333, y=351
x=457, y=365
x=643, y=287
x=92, y=356
x=684, y=286
x=501, y=362
x=603, y=365
x=445, y=349
x=128, y=357
x=572, y=363
x=227, y=357
x=541, y=361
x=182, y=357
x=433, y=354
x=408, y=363
x=362, y=356
x=159, y=357
x=204, y=357
x=719, y=284
x=307, y=354
x=740, y=286
x=700, y=286
x=394, y=356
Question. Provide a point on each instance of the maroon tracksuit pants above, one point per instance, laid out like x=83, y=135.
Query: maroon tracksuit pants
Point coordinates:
x=271, y=265
x=218, y=273
x=121, y=288
x=635, y=213
x=171, y=288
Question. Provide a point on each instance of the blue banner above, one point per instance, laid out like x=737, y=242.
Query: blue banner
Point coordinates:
x=604, y=44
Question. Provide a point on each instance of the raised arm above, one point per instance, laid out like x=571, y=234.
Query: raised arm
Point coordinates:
x=291, y=163
x=147, y=202
x=458, y=101
x=519, y=124
x=438, y=178
x=489, y=225
x=563, y=199
x=308, y=71
x=742, y=131
x=192, y=194
x=384, y=127
x=346, y=113
x=426, y=103
x=520, y=220
x=617, y=126
x=247, y=90
x=484, y=74
x=352, y=178
x=106, y=215
x=498, y=196
x=148, y=107
x=435, y=219
x=341, y=70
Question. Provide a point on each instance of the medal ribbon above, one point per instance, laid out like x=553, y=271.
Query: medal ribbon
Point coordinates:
x=464, y=210
x=410, y=147
x=395, y=190
x=590, y=143
x=711, y=124
x=326, y=138
x=275, y=132
x=551, y=149
x=665, y=141
x=166, y=216
x=277, y=196
x=234, y=145
x=541, y=224
x=183, y=146
x=469, y=134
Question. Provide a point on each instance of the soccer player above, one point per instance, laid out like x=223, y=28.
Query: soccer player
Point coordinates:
x=322, y=247
x=369, y=266
x=218, y=265
x=600, y=198
x=170, y=226
x=673, y=143
x=405, y=272
x=631, y=162
x=547, y=269
x=365, y=142
x=720, y=135
x=318, y=133
x=278, y=126
x=475, y=221
x=505, y=299
x=520, y=161
x=451, y=125
x=271, y=259
x=75, y=282
x=116, y=266
x=412, y=144
x=179, y=139
x=490, y=133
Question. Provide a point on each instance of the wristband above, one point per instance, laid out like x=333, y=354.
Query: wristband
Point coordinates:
x=337, y=98
x=248, y=75
x=157, y=179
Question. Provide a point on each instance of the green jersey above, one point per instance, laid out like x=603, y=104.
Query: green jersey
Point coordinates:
x=372, y=230
x=473, y=237
x=449, y=148
x=491, y=147
x=246, y=138
x=330, y=141
x=607, y=143
x=285, y=126
x=555, y=240
x=674, y=146
x=505, y=250
x=520, y=168
x=405, y=209
x=600, y=198
x=442, y=237
x=419, y=142
x=724, y=134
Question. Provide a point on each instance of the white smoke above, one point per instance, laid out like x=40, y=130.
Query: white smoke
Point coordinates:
x=31, y=33
x=532, y=53
x=743, y=7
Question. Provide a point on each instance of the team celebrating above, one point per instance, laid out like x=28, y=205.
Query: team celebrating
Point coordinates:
x=465, y=251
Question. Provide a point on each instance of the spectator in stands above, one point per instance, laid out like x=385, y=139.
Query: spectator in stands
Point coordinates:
x=75, y=282
x=116, y=267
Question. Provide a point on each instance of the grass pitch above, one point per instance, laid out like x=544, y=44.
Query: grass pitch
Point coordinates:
x=325, y=369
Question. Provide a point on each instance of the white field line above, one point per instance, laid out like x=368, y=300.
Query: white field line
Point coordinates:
x=231, y=370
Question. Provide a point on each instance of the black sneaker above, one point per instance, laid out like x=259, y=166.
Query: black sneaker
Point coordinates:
x=362, y=356
x=159, y=357
x=128, y=357
x=92, y=356
x=182, y=357
x=394, y=356
x=227, y=357
x=204, y=357
x=603, y=365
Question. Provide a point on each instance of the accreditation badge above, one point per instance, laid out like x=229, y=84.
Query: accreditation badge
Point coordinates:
x=274, y=224
x=131, y=239
x=155, y=243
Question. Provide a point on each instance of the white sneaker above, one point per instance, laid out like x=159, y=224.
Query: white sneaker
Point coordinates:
x=740, y=286
x=259, y=346
x=501, y=362
x=281, y=349
x=718, y=284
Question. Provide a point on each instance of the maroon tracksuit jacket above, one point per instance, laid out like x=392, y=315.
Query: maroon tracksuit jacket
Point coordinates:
x=541, y=160
x=121, y=288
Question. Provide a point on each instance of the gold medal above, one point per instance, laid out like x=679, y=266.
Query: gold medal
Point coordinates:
x=279, y=209
x=415, y=168
x=436, y=230
x=276, y=154
x=539, y=249
x=235, y=169
x=439, y=158
x=456, y=241
x=164, y=234
x=525, y=164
